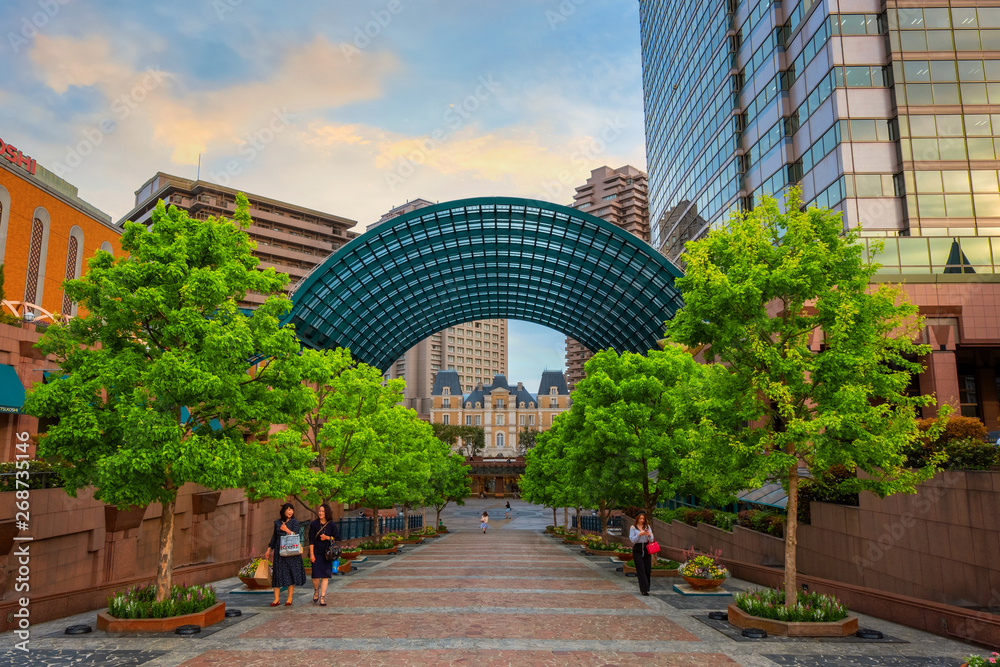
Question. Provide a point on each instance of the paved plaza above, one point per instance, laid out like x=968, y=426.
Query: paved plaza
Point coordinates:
x=511, y=597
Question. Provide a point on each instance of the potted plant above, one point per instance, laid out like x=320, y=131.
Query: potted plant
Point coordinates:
x=441, y=529
x=703, y=573
x=549, y=529
x=136, y=610
x=622, y=552
x=429, y=531
x=414, y=538
x=349, y=553
x=256, y=574
x=660, y=568
x=980, y=661
x=572, y=537
x=813, y=615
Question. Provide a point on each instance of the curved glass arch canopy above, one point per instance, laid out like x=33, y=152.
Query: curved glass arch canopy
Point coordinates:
x=483, y=258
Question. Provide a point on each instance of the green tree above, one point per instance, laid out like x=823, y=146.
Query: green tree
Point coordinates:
x=155, y=389
x=473, y=438
x=818, y=357
x=632, y=426
x=449, y=482
x=526, y=439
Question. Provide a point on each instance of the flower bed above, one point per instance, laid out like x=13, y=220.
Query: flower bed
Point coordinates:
x=980, y=661
x=810, y=608
x=140, y=602
x=378, y=548
x=703, y=567
x=347, y=553
x=661, y=568
x=813, y=615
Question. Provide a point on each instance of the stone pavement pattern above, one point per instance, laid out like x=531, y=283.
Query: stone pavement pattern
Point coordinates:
x=511, y=597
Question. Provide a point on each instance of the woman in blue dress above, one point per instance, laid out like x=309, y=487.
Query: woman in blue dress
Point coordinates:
x=288, y=571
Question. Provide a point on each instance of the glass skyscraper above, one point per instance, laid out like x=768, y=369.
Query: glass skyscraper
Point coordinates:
x=889, y=114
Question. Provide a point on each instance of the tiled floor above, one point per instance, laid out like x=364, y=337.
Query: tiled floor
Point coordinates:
x=511, y=597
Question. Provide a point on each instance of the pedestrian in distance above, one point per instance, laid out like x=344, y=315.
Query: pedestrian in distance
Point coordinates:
x=484, y=521
x=508, y=510
x=288, y=571
x=640, y=535
x=322, y=532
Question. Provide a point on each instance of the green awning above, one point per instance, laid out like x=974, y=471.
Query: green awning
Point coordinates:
x=11, y=390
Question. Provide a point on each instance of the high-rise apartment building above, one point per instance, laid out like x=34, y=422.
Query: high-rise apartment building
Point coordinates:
x=291, y=239
x=476, y=350
x=887, y=111
x=618, y=196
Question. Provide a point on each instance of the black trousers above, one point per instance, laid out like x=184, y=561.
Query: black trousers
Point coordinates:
x=643, y=566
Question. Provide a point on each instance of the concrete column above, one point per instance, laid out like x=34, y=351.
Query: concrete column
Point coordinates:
x=986, y=378
x=941, y=374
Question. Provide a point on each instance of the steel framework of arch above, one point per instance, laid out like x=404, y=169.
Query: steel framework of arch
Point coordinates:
x=483, y=258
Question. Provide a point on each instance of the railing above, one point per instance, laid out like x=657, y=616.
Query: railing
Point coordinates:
x=593, y=523
x=352, y=528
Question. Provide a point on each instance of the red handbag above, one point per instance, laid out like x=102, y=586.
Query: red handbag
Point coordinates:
x=653, y=547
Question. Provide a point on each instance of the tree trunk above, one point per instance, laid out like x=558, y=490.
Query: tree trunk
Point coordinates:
x=375, y=528
x=579, y=526
x=601, y=506
x=791, y=537
x=165, y=566
x=566, y=518
x=555, y=519
x=437, y=520
x=406, y=521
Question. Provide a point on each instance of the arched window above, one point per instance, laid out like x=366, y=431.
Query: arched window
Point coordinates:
x=107, y=247
x=74, y=262
x=4, y=218
x=34, y=261
x=499, y=440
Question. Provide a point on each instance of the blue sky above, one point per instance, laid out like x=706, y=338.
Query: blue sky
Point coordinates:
x=328, y=104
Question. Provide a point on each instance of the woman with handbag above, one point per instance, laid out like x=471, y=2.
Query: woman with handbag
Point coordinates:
x=641, y=536
x=323, y=538
x=288, y=571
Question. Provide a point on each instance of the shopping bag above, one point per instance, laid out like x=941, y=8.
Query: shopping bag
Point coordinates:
x=290, y=545
x=653, y=547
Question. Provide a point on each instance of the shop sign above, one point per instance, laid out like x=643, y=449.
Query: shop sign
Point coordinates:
x=17, y=158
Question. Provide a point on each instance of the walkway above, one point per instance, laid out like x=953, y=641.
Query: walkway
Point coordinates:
x=511, y=597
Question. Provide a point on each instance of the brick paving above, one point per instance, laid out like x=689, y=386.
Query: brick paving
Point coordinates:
x=511, y=597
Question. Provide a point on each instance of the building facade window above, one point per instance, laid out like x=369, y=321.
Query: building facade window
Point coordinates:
x=553, y=402
x=499, y=440
x=479, y=420
x=34, y=261
x=531, y=420
x=447, y=402
x=468, y=420
x=499, y=420
x=445, y=419
x=71, y=254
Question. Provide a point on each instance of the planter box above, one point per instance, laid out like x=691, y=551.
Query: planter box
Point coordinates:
x=597, y=552
x=411, y=540
x=428, y=535
x=210, y=616
x=344, y=567
x=349, y=556
x=256, y=584
x=842, y=628
x=379, y=552
x=652, y=573
x=442, y=531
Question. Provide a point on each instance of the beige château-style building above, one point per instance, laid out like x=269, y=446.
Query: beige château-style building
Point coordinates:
x=502, y=411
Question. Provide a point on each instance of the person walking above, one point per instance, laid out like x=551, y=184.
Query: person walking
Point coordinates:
x=640, y=535
x=484, y=521
x=288, y=571
x=322, y=531
x=508, y=510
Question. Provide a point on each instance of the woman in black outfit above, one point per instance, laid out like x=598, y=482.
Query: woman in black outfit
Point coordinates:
x=288, y=571
x=321, y=532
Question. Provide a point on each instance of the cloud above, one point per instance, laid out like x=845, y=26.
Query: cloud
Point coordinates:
x=311, y=77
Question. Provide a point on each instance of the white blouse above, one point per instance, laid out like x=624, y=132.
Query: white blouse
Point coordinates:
x=635, y=538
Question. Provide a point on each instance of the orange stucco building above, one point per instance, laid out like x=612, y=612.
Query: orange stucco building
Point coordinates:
x=47, y=234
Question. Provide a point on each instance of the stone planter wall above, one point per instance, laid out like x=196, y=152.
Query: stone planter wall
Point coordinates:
x=78, y=559
x=210, y=616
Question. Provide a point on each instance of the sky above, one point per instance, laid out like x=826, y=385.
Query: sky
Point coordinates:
x=345, y=106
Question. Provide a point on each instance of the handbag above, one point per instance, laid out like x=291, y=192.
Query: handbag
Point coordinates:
x=290, y=545
x=653, y=547
x=332, y=550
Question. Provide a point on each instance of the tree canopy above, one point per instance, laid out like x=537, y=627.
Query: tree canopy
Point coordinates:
x=155, y=387
x=817, y=357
